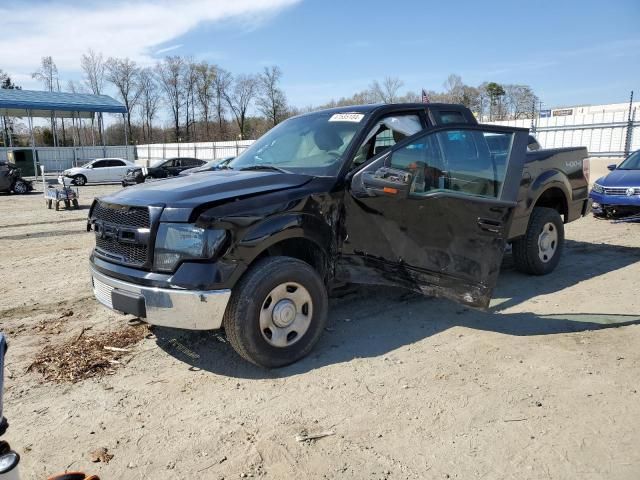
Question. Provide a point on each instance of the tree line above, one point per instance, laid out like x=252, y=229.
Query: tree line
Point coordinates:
x=205, y=102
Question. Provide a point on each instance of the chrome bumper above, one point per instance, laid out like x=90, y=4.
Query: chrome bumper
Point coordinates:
x=188, y=309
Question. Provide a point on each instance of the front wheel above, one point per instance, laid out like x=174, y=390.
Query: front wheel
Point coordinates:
x=539, y=251
x=80, y=180
x=277, y=312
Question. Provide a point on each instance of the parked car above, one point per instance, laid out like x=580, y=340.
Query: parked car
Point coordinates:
x=210, y=166
x=160, y=169
x=11, y=179
x=100, y=170
x=413, y=195
x=618, y=193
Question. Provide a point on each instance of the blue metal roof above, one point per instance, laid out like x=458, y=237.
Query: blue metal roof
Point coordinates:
x=42, y=104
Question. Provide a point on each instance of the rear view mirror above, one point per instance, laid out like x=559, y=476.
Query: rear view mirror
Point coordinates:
x=612, y=167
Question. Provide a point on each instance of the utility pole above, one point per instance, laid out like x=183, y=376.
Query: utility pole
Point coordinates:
x=630, y=121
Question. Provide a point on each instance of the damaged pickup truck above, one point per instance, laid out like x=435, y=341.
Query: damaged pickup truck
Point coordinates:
x=413, y=195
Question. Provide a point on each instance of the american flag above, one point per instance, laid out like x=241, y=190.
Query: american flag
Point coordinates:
x=425, y=97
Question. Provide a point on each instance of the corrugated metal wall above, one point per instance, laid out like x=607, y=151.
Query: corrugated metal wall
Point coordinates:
x=603, y=133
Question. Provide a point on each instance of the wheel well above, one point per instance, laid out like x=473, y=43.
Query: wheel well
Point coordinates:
x=302, y=249
x=556, y=199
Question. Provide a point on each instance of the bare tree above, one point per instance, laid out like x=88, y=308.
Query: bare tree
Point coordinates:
x=170, y=73
x=221, y=85
x=388, y=91
x=124, y=75
x=454, y=89
x=244, y=90
x=205, y=87
x=520, y=100
x=93, y=68
x=149, y=101
x=272, y=102
x=48, y=75
x=189, y=84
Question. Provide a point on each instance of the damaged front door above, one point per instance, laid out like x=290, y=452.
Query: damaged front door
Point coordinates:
x=433, y=213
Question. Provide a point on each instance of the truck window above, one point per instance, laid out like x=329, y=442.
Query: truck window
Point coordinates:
x=448, y=117
x=385, y=134
x=455, y=160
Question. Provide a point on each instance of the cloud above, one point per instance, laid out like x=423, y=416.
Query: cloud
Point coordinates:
x=122, y=28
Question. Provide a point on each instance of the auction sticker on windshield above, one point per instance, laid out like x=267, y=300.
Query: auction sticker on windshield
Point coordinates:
x=346, y=117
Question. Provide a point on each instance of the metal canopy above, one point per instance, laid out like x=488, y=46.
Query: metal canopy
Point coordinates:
x=33, y=103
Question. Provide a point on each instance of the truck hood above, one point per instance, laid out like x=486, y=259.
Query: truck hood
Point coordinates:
x=621, y=178
x=193, y=191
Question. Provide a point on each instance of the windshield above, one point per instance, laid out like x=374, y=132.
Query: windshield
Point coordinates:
x=631, y=163
x=311, y=144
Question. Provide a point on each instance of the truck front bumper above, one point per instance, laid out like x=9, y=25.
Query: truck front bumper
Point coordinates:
x=188, y=309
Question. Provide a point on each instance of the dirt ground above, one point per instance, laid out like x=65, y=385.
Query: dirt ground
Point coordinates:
x=544, y=386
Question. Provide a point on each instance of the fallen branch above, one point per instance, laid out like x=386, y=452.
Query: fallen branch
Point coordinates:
x=313, y=436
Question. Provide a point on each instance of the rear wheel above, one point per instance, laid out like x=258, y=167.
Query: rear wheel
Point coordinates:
x=539, y=251
x=277, y=312
x=80, y=180
x=20, y=187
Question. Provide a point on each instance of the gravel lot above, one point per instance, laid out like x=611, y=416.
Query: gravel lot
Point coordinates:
x=545, y=385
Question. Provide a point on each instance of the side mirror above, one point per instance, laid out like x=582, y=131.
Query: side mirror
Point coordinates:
x=387, y=181
x=612, y=167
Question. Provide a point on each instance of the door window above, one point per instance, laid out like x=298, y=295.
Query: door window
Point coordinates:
x=101, y=164
x=385, y=134
x=116, y=163
x=464, y=161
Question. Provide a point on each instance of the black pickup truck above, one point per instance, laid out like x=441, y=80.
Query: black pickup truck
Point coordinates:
x=413, y=195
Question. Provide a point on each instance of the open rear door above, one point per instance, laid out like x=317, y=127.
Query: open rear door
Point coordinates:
x=433, y=214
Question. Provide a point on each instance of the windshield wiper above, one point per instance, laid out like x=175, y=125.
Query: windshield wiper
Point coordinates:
x=264, y=167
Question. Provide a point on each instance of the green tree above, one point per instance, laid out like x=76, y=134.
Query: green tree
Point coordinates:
x=7, y=123
x=495, y=92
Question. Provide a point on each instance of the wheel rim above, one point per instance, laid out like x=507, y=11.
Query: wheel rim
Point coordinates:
x=286, y=314
x=20, y=188
x=80, y=181
x=547, y=242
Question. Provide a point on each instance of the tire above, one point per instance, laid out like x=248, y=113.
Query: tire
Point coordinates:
x=80, y=180
x=271, y=283
x=20, y=187
x=75, y=203
x=534, y=253
x=67, y=204
x=49, y=204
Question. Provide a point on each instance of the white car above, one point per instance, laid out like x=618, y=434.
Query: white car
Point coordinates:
x=100, y=170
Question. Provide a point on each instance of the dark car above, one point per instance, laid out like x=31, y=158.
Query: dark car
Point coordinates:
x=160, y=169
x=618, y=193
x=418, y=196
x=12, y=181
x=210, y=166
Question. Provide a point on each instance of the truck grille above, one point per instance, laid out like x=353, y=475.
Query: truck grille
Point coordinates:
x=116, y=239
x=621, y=190
x=127, y=216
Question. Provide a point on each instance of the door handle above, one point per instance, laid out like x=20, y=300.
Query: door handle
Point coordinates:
x=493, y=226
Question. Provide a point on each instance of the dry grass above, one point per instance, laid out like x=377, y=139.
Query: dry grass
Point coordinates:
x=87, y=355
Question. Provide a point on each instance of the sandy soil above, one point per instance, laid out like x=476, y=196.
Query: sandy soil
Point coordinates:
x=544, y=386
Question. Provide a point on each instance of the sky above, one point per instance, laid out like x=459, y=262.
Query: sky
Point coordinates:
x=570, y=51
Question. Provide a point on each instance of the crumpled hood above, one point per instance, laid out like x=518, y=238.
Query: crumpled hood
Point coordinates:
x=196, y=190
x=73, y=171
x=621, y=178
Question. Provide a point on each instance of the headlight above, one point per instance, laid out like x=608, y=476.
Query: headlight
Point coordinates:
x=182, y=241
x=598, y=188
